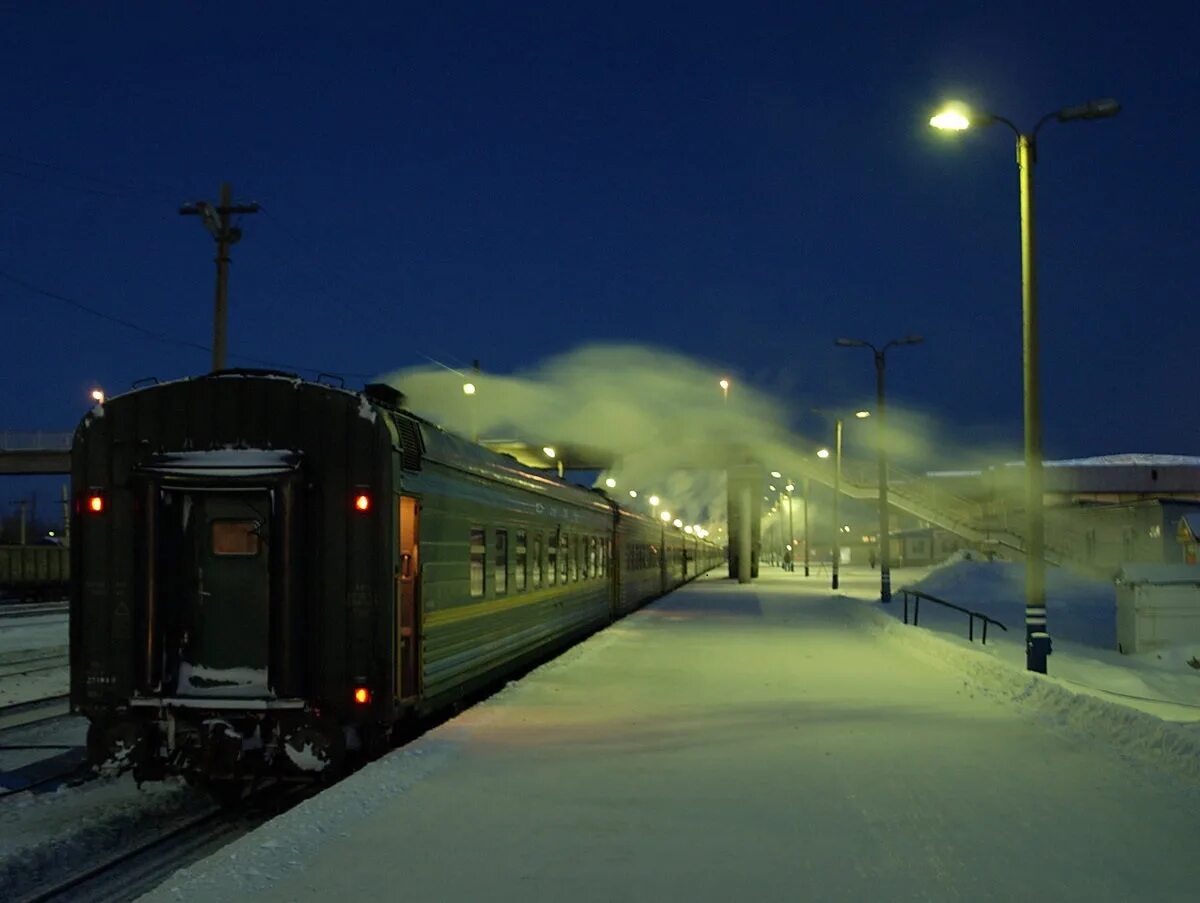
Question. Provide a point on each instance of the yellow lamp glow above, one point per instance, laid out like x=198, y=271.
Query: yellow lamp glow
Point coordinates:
x=951, y=120
x=823, y=453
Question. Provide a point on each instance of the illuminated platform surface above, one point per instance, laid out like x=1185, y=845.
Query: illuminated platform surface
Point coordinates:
x=761, y=742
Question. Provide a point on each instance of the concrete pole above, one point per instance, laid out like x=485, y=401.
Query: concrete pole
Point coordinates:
x=837, y=491
x=744, y=535
x=791, y=533
x=806, y=487
x=22, y=504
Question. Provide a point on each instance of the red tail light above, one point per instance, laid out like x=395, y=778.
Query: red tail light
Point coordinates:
x=94, y=504
x=362, y=502
x=362, y=695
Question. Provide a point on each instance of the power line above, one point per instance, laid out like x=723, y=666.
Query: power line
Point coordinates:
x=168, y=339
x=130, y=191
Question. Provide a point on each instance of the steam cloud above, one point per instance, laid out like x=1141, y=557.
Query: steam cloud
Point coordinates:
x=659, y=415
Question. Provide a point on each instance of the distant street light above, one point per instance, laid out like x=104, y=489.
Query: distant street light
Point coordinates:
x=724, y=384
x=885, y=571
x=633, y=493
x=822, y=453
x=98, y=395
x=469, y=390
x=1037, y=635
x=610, y=483
x=654, y=501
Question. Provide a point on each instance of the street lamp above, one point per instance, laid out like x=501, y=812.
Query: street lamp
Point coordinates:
x=837, y=482
x=724, y=384
x=1037, y=636
x=98, y=395
x=469, y=390
x=885, y=570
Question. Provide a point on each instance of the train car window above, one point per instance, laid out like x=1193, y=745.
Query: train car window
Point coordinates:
x=563, y=556
x=235, y=538
x=501, y=582
x=552, y=558
x=593, y=568
x=573, y=560
x=521, y=563
x=478, y=559
x=536, y=574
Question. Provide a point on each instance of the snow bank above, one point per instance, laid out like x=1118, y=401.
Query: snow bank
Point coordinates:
x=1155, y=743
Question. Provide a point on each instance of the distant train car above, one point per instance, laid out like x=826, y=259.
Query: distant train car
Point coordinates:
x=268, y=571
x=35, y=572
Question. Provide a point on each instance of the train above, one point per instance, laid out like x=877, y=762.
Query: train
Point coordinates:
x=270, y=574
x=34, y=573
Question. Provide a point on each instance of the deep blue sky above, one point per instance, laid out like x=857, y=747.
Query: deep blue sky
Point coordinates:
x=504, y=181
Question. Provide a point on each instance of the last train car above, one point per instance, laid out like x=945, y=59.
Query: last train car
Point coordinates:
x=268, y=571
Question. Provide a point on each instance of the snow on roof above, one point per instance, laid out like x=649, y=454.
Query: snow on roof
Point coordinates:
x=1129, y=459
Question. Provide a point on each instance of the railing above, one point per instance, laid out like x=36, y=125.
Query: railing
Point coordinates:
x=917, y=596
x=35, y=441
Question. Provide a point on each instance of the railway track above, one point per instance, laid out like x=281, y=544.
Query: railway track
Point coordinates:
x=34, y=711
x=129, y=873
x=31, y=662
x=32, y=609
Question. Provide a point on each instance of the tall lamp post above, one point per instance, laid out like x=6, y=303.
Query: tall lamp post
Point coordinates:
x=806, y=487
x=885, y=570
x=1037, y=636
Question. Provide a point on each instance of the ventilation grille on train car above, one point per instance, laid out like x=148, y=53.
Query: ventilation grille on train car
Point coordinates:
x=411, y=446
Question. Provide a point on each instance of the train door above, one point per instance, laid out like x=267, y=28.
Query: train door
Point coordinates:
x=215, y=591
x=408, y=584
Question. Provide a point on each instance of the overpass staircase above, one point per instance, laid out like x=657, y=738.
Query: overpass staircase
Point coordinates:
x=922, y=497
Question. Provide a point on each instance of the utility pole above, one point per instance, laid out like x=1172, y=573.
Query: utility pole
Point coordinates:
x=217, y=221
x=23, y=504
x=66, y=513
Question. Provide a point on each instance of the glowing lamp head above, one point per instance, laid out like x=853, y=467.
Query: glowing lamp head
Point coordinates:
x=724, y=384
x=610, y=483
x=952, y=119
x=95, y=503
x=468, y=388
x=633, y=493
x=98, y=396
x=862, y=415
x=790, y=486
x=687, y=529
x=362, y=502
x=362, y=695
x=677, y=522
x=654, y=500
x=822, y=453
x=666, y=517
x=548, y=451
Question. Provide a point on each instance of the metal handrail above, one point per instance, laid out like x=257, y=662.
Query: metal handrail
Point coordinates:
x=918, y=595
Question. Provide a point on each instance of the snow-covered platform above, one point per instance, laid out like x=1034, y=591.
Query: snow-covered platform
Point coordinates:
x=764, y=742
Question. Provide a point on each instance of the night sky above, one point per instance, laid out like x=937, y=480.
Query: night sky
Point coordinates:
x=738, y=183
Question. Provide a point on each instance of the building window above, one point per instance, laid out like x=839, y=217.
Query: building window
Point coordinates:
x=501, y=584
x=478, y=556
x=521, y=563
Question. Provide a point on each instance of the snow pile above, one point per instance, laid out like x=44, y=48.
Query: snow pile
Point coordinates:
x=1081, y=615
x=1136, y=734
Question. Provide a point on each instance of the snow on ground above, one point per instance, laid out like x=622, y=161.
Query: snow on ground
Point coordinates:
x=87, y=823
x=23, y=638
x=41, y=633
x=1081, y=614
x=773, y=742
